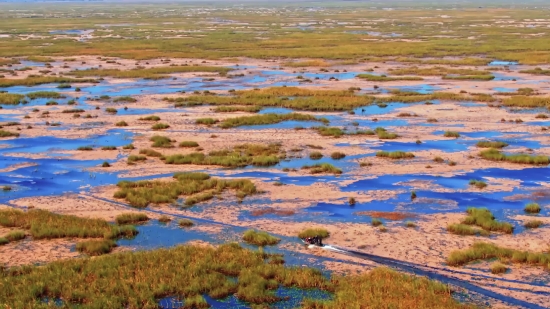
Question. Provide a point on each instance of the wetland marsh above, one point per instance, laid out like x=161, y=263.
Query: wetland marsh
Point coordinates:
x=175, y=156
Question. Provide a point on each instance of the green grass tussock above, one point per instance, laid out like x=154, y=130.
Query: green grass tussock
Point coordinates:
x=46, y=225
x=206, y=121
x=160, y=126
x=185, y=223
x=451, y=134
x=498, y=268
x=239, y=156
x=533, y=224
x=193, y=185
x=260, y=238
x=161, y=141
x=188, y=144
x=96, y=247
x=4, y=133
x=150, y=153
x=395, y=155
x=11, y=98
x=532, y=208
x=39, y=80
x=384, y=78
x=147, y=73
x=485, y=251
x=15, y=236
x=323, y=168
x=478, y=183
x=316, y=155
x=491, y=144
x=267, y=119
x=233, y=109
x=131, y=218
x=150, y=118
x=483, y=218
x=312, y=232
x=495, y=155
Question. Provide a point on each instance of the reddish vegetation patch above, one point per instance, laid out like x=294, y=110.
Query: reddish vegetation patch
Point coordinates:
x=389, y=215
x=272, y=211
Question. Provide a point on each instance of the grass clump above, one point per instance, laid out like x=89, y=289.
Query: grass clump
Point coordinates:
x=330, y=131
x=206, y=121
x=135, y=158
x=495, y=155
x=260, y=238
x=161, y=141
x=148, y=73
x=312, y=232
x=337, y=155
x=267, y=119
x=323, y=168
x=485, y=251
x=533, y=224
x=129, y=146
x=316, y=155
x=239, y=156
x=465, y=230
x=73, y=111
x=453, y=134
x=11, y=98
x=121, y=124
x=46, y=225
x=160, y=126
x=232, y=109
x=185, y=223
x=498, y=268
x=164, y=219
x=4, y=241
x=150, y=153
x=108, y=148
x=150, y=118
x=395, y=154
x=483, y=218
x=410, y=224
x=384, y=134
x=85, y=148
x=489, y=144
x=125, y=99
x=131, y=218
x=532, y=208
x=8, y=134
x=39, y=80
x=188, y=144
x=96, y=247
x=111, y=110
x=384, y=78
x=15, y=236
x=478, y=183
x=196, y=186
x=376, y=222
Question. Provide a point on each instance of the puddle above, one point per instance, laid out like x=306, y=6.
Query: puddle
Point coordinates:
x=502, y=63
